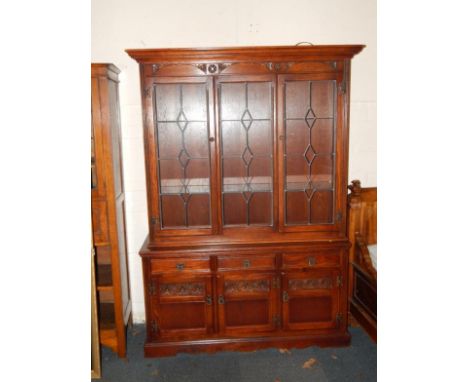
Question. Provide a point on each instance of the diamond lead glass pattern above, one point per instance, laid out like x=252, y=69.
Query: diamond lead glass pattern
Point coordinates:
x=310, y=118
x=309, y=190
x=309, y=154
x=247, y=156
x=185, y=197
x=247, y=195
x=184, y=158
x=246, y=119
x=182, y=121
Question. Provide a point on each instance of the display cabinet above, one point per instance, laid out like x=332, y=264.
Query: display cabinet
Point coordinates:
x=246, y=168
x=108, y=209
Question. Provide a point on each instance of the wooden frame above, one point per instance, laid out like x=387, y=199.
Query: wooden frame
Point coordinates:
x=362, y=288
x=95, y=348
x=108, y=210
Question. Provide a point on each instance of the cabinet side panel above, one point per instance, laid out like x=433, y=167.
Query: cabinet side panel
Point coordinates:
x=114, y=114
x=122, y=248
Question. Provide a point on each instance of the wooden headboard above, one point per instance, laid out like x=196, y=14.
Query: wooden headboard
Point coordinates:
x=362, y=212
x=362, y=219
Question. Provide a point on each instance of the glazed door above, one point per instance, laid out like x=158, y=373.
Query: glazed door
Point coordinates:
x=182, y=157
x=311, y=165
x=247, y=303
x=311, y=300
x=245, y=108
x=181, y=306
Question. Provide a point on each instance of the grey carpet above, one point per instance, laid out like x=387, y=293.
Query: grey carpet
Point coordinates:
x=357, y=362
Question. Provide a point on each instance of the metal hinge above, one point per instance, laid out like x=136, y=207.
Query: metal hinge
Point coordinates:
x=339, y=281
x=154, y=326
x=148, y=91
x=151, y=288
x=339, y=318
x=342, y=87
x=275, y=282
x=276, y=320
x=154, y=220
x=339, y=216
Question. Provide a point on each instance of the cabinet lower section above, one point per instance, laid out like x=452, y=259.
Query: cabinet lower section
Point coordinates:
x=245, y=299
x=210, y=345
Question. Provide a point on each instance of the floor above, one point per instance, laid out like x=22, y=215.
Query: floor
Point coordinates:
x=357, y=362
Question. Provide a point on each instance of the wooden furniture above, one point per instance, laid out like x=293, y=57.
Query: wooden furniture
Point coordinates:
x=107, y=205
x=362, y=215
x=95, y=348
x=246, y=168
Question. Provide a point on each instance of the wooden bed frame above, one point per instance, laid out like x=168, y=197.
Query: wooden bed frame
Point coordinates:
x=362, y=231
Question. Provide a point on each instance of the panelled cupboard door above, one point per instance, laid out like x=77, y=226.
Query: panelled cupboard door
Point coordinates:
x=179, y=121
x=247, y=302
x=245, y=119
x=181, y=306
x=310, y=129
x=311, y=300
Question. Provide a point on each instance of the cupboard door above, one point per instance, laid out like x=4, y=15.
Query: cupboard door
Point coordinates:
x=310, y=126
x=245, y=107
x=181, y=172
x=247, y=303
x=181, y=306
x=311, y=300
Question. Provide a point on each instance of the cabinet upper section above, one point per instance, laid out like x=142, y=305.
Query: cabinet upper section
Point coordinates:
x=252, y=60
x=246, y=54
x=246, y=141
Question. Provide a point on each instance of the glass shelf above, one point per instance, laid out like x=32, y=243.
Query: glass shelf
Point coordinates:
x=191, y=186
x=301, y=182
x=252, y=184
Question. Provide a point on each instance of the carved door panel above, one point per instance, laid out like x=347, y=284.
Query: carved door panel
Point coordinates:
x=181, y=306
x=179, y=123
x=247, y=303
x=311, y=300
x=312, y=164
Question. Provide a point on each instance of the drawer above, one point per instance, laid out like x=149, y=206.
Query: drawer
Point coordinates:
x=319, y=259
x=180, y=265
x=227, y=263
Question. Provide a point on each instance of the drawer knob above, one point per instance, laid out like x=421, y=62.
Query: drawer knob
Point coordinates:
x=311, y=261
x=180, y=266
x=220, y=300
x=246, y=263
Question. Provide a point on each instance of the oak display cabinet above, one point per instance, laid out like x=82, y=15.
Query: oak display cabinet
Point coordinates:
x=108, y=209
x=246, y=169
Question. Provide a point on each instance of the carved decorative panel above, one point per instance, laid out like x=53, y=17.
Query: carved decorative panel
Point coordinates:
x=246, y=286
x=212, y=68
x=319, y=283
x=182, y=289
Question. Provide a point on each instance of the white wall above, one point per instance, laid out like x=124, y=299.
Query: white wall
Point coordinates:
x=128, y=24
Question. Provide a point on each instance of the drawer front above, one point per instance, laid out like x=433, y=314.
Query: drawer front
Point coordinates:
x=228, y=263
x=180, y=265
x=311, y=260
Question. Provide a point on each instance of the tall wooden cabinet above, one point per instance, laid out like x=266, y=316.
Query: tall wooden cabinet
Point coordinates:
x=108, y=208
x=246, y=169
